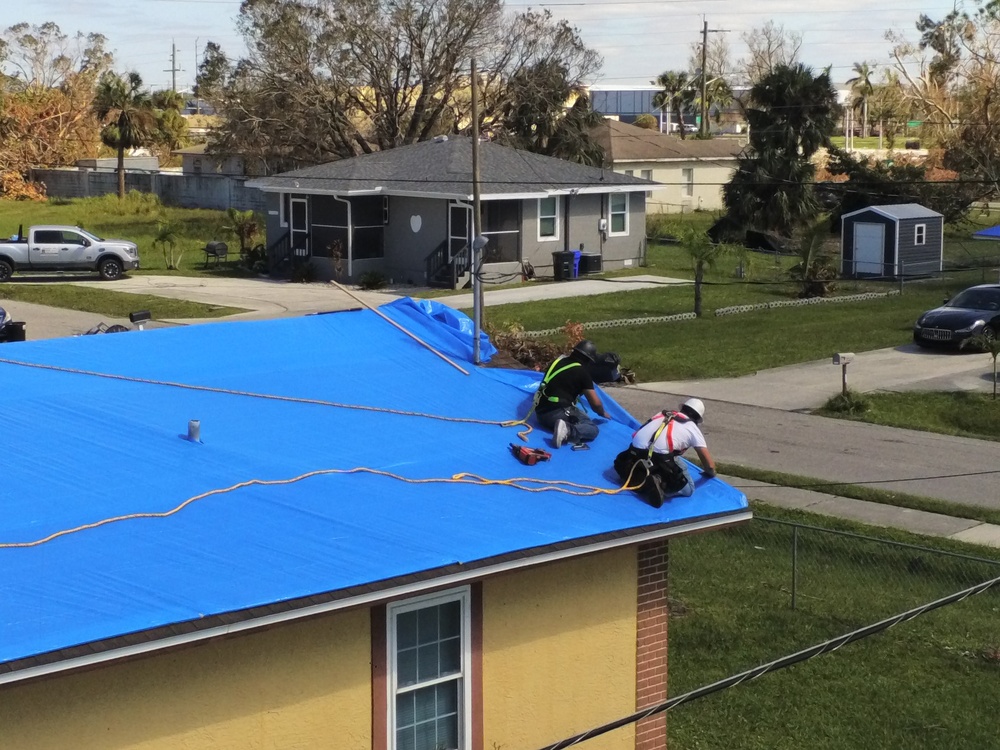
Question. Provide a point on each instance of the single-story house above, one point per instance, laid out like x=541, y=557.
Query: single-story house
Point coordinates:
x=407, y=212
x=691, y=170
x=338, y=554
x=196, y=160
x=904, y=239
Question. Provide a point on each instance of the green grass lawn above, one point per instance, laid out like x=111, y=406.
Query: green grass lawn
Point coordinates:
x=933, y=682
x=738, y=344
x=111, y=303
x=975, y=415
x=134, y=219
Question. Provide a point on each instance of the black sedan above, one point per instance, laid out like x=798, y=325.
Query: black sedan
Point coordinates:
x=969, y=314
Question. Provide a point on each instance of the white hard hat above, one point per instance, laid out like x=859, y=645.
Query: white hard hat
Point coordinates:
x=694, y=408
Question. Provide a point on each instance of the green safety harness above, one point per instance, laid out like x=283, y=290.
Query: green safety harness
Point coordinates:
x=551, y=373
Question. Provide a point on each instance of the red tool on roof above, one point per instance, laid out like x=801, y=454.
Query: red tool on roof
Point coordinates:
x=529, y=456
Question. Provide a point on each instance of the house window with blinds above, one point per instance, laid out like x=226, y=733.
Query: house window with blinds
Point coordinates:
x=619, y=213
x=429, y=653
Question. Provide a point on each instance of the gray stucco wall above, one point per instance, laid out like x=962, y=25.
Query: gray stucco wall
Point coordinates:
x=582, y=227
x=405, y=249
x=920, y=259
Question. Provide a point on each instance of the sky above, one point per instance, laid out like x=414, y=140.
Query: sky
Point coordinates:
x=638, y=39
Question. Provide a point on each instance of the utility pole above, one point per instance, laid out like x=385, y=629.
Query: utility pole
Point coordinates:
x=705, y=31
x=173, y=70
x=194, y=88
x=475, y=250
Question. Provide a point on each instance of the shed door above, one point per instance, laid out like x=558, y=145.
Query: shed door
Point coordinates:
x=869, y=248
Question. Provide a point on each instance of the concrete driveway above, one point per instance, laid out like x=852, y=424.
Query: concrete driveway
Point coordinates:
x=807, y=386
x=260, y=297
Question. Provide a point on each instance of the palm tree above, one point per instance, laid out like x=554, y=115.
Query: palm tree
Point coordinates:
x=245, y=225
x=166, y=239
x=126, y=111
x=862, y=88
x=703, y=253
x=817, y=266
x=791, y=115
x=677, y=95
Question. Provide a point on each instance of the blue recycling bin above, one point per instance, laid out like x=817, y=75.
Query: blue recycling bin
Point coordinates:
x=576, y=263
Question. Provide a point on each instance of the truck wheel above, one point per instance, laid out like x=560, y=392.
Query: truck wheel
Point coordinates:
x=110, y=269
x=5, y=270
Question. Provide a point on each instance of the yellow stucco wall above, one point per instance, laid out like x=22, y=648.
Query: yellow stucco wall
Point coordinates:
x=709, y=177
x=559, y=651
x=278, y=689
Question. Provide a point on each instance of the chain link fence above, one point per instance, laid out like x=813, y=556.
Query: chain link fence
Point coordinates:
x=757, y=593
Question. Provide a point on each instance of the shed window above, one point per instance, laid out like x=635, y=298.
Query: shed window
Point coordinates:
x=920, y=234
x=619, y=213
x=429, y=687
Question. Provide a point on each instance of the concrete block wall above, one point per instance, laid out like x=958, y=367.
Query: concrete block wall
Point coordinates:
x=217, y=192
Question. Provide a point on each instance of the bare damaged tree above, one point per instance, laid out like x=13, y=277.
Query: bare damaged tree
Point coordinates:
x=43, y=57
x=769, y=46
x=326, y=80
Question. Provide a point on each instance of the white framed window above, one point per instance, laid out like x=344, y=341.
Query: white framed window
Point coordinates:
x=284, y=201
x=920, y=234
x=687, y=182
x=647, y=174
x=429, y=687
x=618, y=210
x=629, y=173
x=548, y=218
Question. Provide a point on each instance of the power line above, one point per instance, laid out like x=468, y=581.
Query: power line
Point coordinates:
x=783, y=663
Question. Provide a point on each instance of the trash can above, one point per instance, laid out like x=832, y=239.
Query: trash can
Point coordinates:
x=14, y=331
x=562, y=266
x=576, y=263
x=590, y=263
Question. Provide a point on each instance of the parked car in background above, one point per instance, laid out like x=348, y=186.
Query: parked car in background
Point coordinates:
x=972, y=313
x=63, y=248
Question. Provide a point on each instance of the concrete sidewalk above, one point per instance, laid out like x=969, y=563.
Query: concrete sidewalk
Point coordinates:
x=807, y=386
x=873, y=514
x=583, y=287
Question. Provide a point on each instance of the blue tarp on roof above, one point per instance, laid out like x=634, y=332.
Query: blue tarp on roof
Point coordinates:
x=993, y=233
x=80, y=448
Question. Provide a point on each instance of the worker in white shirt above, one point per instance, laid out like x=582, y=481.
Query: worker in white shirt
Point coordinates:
x=652, y=458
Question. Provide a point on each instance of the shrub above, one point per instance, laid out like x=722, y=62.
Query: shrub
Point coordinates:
x=304, y=273
x=133, y=204
x=13, y=187
x=647, y=121
x=370, y=280
x=851, y=403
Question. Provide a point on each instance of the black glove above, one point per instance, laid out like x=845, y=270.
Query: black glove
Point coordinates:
x=708, y=473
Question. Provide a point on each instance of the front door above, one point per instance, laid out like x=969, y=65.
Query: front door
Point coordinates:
x=869, y=249
x=298, y=226
x=459, y=221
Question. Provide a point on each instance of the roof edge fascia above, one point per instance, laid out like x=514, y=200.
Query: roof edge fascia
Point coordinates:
x=373, y=597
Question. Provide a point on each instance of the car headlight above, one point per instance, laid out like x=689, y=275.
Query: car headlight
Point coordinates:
x=134, y=252
x=972, y=328
x=4, y=317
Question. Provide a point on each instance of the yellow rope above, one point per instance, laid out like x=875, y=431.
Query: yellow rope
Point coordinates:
x=272, y=397
x=520, y=483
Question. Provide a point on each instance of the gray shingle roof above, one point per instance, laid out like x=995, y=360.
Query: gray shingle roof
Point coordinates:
x=900, y=211
x=624, y=143
x=444, y=168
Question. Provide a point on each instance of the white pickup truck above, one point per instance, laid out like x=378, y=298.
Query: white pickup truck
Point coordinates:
x=58, y=248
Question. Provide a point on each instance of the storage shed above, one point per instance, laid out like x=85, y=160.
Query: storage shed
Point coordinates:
x=904, y=239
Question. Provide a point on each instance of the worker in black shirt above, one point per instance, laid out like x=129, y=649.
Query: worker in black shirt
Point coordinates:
x=565, y=381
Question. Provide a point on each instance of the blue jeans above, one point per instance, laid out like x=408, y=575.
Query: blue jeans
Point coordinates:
x=581, y=426
x=688, y=489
